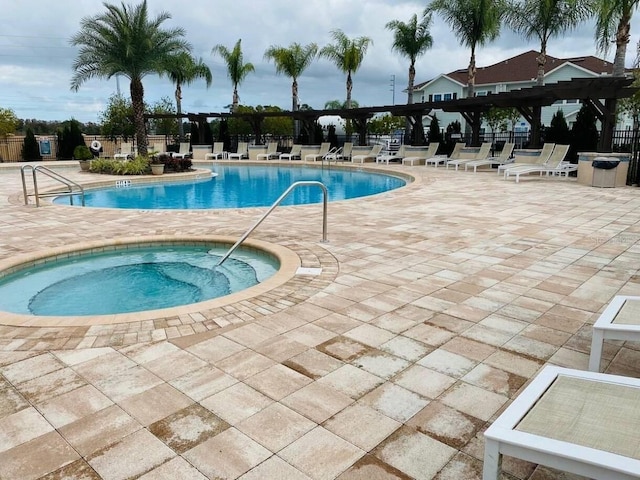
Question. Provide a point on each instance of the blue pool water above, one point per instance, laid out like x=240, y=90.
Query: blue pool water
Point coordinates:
x=132, y=280
x=239, y=186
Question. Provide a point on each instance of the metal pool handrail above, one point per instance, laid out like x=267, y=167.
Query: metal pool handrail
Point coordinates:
x=273, y=207
x=51, y=174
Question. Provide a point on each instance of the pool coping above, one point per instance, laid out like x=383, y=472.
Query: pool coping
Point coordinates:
x=289, y=261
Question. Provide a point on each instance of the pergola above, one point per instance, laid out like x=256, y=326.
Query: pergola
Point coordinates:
x=600, y=94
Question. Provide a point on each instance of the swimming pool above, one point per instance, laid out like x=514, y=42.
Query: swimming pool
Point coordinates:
x=240, y=186
x=131, y=278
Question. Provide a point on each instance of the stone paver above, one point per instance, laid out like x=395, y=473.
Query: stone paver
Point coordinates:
x=433, y=306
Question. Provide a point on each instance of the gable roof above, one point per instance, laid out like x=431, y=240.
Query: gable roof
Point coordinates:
x=524, y=68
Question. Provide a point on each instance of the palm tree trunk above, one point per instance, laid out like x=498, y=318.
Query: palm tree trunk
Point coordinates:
x=179, y=110
x=622, y=39
x=542, y=60
x=294, y=108
x=236, y=99
x=137, y=102
x=412, y=78
x=349, y=88
x=471, y=74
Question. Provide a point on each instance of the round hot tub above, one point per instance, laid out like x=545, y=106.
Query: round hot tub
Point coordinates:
x=129, y=279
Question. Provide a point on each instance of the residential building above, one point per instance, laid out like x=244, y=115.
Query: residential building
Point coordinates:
x=513, y=73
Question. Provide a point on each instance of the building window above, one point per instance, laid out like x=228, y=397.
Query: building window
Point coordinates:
x=437, y=97
x=447, y=96
x=481, y=93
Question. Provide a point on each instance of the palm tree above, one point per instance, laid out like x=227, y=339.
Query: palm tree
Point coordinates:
x=292, y=61
x=347, y=54
x=237, y=70
x=613, y=21
x=475, y=22
x=125, y=41
x=183, y=69
x=337, y=104
x=411, y=40
x=543, y=19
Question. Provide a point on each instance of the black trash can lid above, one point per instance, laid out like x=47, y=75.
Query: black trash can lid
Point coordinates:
x=604, y=163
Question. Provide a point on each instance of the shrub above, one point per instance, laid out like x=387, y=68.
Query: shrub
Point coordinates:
x=82, y=152
x=177, y=164
x=30, y=148
x=137, y=166
x=68, y=139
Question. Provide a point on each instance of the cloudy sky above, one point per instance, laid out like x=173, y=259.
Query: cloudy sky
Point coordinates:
x=36, y=58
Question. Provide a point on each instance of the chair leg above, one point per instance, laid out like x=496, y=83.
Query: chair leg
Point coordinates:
x=596, y=350
x=492, y=460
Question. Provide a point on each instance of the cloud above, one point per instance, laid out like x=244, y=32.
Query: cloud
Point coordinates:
x=36, y=57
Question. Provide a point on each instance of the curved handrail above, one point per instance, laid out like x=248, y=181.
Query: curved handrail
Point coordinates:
x=51, y=174
x=273, y=207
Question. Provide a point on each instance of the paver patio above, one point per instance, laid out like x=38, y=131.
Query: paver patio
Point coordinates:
x=436, y=304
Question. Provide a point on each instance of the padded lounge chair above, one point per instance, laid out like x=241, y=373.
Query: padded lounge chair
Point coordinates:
x=183, y=152
x=545, y=153
x=241, y=152
x=580, y=422
x=483, y=154
x=502, y=159
x=398, y=155
x=294, y=154
x=126, y=151
x=368, y=157
x=158, y=148
x=217, y=153
x=270, y=153
x=342, y=153
x=553, y=164
x=418, y=156
x=324, y=149
x=438, y=159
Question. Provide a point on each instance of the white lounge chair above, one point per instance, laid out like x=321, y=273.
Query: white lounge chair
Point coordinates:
x=125, y=152
x=502, y=159
x=241, y=152
x=294, y=154
x=542, y=157
x=271, y=152
x=443, y=159
x=183, y=152
x=324, y=149
x=367, y=157
x=396, y=155
x=580, y=422
x=553, y=164
x=418, y=156
x=483, y=154
x=217, y=153
x=341, y=153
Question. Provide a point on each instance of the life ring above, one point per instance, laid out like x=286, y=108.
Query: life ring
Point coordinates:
x=96, y=145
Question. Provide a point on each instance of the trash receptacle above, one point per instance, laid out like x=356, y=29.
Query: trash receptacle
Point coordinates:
x=604, y=172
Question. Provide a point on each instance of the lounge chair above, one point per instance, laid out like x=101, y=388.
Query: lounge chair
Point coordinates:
x=183, y=152
x=241, y=152
x=580, y=422
x=438, y=159
x=542, y=157
x=294, y=154
x=503, y=159
x=271, y=152
x=158, y=148
x=483, y=154
x=418, y=156
x=217, y=153
x=319, y=155
x=126, y=151
x=396, y=155
x=553, y=164
x=367, y=157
